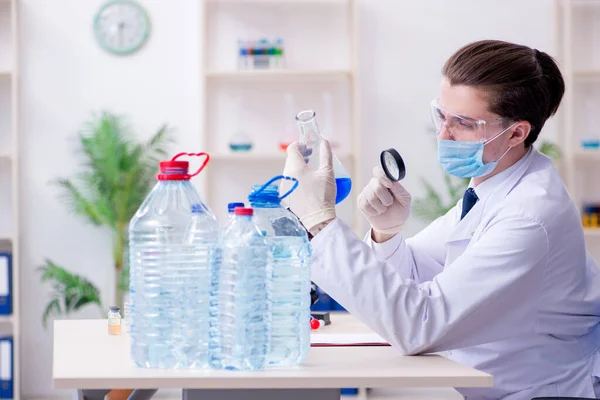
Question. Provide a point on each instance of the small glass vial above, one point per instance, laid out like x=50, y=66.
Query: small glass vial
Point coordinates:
x=114, y=321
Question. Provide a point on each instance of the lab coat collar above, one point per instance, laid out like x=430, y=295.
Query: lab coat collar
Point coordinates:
x=490, y=192
x=486, y=187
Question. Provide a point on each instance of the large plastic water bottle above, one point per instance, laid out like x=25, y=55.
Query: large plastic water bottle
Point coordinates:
x=290, y=290
x=171, y=241
x=310, y=139
x=240, y=316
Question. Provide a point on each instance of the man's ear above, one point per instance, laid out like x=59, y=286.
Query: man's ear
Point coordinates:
x=519, y=133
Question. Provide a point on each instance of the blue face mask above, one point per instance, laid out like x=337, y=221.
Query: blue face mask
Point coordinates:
x=465, y=159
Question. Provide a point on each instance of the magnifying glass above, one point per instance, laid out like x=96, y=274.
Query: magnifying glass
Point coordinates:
x=393, y=165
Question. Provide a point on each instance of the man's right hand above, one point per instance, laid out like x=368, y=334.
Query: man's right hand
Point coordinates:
x=385, y=204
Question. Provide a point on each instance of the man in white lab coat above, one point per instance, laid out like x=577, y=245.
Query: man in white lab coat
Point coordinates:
x=502, y=282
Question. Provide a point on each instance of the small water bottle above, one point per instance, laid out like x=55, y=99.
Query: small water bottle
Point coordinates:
x=231, y=209
x=310, y=142
x=172, y=238
x=240, y=326
x=290, y=288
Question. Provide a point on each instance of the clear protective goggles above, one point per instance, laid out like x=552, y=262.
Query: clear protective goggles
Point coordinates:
x=463, y=128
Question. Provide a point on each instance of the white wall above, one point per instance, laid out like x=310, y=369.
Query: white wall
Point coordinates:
x=65, y=76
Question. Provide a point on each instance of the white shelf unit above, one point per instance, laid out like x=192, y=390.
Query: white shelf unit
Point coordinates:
x=9, y=172
x=277, y=1
x=321, y=62
x=277, y=74
x=578, y=23
x=592, y=232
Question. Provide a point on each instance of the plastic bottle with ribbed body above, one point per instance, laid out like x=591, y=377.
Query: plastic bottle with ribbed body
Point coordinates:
x=290, y=288
x=172, y=238
x=240, y=317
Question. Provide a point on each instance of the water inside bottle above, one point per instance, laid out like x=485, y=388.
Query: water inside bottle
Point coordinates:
x=240, y=308
x=291, y=255
x=171, y=241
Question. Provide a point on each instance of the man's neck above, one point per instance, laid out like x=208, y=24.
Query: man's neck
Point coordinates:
x=507, y=161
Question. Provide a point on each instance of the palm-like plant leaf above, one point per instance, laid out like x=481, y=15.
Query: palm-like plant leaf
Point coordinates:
x=118, y=173
x=70, y=291
x=551, y=150
x=116, y=176
x=81, y=204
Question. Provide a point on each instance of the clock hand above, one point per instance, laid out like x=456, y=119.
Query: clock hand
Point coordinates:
x=121, y=27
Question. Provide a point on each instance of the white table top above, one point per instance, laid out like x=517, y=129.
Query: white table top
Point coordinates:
x=87, y=357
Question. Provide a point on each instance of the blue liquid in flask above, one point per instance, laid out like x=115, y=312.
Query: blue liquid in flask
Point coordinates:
x=343, y=185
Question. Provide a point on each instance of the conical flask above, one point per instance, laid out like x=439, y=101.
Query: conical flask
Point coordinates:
x=311, y=138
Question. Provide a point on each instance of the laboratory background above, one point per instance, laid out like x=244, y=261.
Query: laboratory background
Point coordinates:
x=228, y=77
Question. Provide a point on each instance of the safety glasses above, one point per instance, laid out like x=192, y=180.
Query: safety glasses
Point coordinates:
x=461, y=127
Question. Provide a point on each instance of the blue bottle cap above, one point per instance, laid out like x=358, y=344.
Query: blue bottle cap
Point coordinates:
x=231, y=206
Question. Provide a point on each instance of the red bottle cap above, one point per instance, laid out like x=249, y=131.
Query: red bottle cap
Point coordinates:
x=174, y=170
x=244, y=211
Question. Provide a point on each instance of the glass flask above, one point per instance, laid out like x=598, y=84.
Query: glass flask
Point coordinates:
x=310, y=142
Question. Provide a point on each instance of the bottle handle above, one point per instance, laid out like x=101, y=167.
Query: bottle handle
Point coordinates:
x=206, y=159
x=275, y=178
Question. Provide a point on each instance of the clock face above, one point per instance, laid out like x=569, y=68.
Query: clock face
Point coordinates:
x=121, y=26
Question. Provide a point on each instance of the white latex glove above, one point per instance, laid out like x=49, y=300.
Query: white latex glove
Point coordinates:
x=385, y=204
x=313, y=201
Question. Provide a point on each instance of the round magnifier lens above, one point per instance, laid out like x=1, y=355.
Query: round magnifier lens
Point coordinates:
x=393, y=165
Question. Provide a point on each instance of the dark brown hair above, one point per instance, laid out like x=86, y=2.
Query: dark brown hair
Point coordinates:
x=523, y=84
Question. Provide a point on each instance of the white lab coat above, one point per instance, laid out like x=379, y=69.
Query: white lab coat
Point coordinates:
x=509, y=290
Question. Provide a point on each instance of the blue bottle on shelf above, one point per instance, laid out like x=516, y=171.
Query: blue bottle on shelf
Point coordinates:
x=240, y=305
x=172, y=239
x=290, y=288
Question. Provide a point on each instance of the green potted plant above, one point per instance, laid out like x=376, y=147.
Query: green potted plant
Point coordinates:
x=117, y=174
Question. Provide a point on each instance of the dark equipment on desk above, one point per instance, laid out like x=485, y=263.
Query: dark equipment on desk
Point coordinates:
x=314, y=295
x=321, y=316
x=392, y=165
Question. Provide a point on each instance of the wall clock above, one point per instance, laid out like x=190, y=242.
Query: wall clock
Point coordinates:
x=121, y=27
